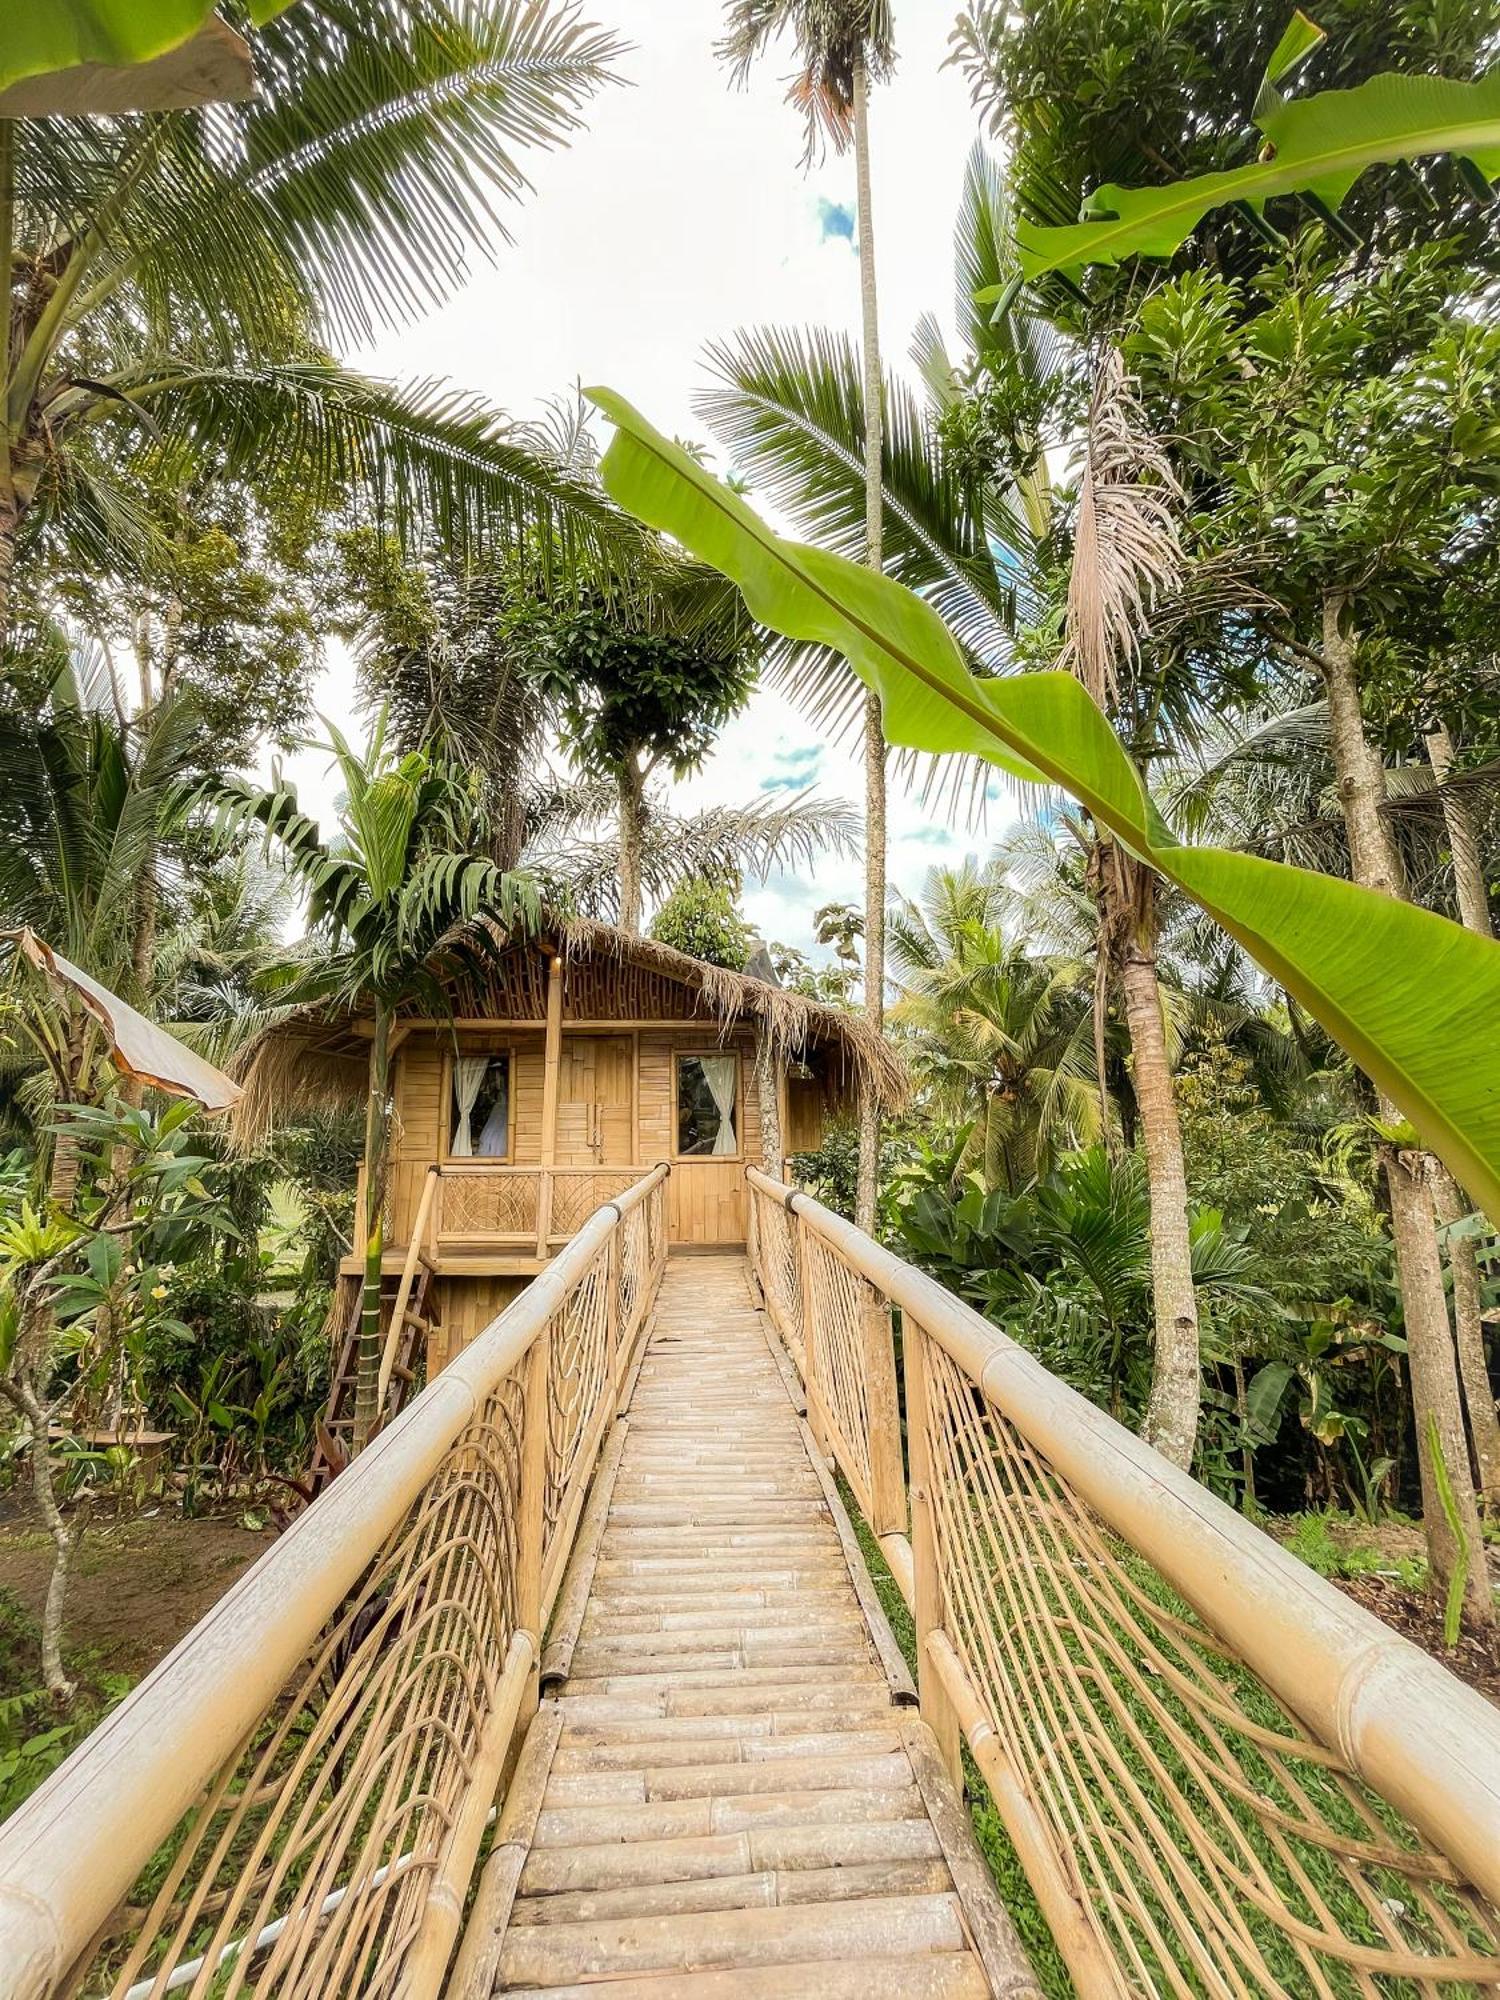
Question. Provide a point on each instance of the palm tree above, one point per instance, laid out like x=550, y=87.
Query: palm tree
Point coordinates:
x=1001, y=1035
x=181, y=273
x=976, y=542
x=86, y=799
x=568, y=847
x=405, y=872
x=841, y=46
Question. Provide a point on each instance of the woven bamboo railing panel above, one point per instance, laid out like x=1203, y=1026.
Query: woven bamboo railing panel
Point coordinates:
x=1186, y=1833
x=476, y=1203
x=776, y=1260
x=352, y=1780
x=1217, y=1847
x=580, y=1381
x=576, y=1194
x=836, y=1362
x=309, y=1862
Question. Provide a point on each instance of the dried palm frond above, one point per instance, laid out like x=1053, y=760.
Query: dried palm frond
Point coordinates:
x=1127, y=552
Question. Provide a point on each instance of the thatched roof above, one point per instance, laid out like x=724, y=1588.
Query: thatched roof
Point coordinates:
x=316, y=1057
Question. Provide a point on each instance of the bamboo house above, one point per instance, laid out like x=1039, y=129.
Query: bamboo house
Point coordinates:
x=560, y=1068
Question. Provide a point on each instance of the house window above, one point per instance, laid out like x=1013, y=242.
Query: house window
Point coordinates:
x=706, y=1087
x=479, y=1128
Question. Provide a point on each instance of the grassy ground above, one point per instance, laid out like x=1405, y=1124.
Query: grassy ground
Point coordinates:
x=989, y=1830
x=139, y=1584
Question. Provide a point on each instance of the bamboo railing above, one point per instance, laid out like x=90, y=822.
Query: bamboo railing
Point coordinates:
x=470, y=1203
x=292, y=1802
x=1222, y=1776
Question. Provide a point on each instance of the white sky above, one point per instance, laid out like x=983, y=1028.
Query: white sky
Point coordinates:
x=680, y=215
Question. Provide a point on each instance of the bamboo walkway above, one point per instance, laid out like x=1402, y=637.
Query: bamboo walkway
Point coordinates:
x=729, y=1798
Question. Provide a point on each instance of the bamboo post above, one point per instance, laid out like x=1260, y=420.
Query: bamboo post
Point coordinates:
x=937, y=1708
x=883, y=1415
x=551, y=1082
x=619, y=1360
x=531, y=1519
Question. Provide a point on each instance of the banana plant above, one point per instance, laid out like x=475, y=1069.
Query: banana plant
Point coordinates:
x=50, y=36
x=1409, y=994
x=1316, y=146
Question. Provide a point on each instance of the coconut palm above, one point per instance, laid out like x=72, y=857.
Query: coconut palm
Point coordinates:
x=86, y=798
x=570, y=846
x=1001, y=1035
x=842, y=46
x=181, y=274
x=406, y=870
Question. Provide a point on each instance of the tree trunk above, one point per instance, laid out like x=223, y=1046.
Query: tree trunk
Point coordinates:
x=868, y=1183
x=62, y=1179
x=769, y=1098
x=632, y=787
x=1470, y=887
x=9, y=507
x=1468, y=1321
x=1373, y=861
x=377, y=1128
x=54, y=1674
x=1172, y=1412
x=1472, y=894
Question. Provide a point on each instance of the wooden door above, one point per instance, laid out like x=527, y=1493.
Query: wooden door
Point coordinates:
x=595, y=1101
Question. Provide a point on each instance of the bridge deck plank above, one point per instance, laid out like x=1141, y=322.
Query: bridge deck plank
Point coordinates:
x=731, y=1809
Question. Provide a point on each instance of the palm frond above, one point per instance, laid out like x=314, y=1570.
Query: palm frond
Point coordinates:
x=789, y=406
x=1127, y=551
x=428, y=457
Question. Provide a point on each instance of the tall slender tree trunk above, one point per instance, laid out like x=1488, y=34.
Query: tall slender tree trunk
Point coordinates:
x=64, y=1536
x=868, y=1183
x=1172, y=1410
x=768, y=1096
x=377, y=1133
x=1373, y=861
x=9, y=508
x=1472, y=895
x=1468, y=1321
x=632, y=789
x=1470, y=886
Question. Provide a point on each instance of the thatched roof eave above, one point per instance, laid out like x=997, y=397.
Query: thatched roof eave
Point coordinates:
x=315, y=1056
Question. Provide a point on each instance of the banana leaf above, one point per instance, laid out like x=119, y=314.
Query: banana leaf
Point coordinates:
x=50, y=39
x=1316, y=145
x=1413, y=998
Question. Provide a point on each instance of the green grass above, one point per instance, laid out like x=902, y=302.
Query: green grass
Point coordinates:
x=35, y=1736
x=989, y=1829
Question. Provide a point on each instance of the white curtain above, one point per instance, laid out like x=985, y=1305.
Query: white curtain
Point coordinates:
x=494, y=1138
x=719, y=1073
x=468, y=1080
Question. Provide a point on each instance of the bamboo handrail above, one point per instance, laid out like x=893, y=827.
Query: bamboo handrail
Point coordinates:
x=364, y=1586
x=1053, y=1530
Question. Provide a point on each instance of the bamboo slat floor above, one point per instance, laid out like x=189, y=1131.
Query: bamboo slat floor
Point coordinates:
x=725, y=1800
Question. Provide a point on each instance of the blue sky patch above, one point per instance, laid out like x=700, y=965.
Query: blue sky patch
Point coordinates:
x=835, y=219
x=792, y=769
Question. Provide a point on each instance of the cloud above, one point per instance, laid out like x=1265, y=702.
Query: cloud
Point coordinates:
x=930, y=836
x=792, y=770
x=835, y=219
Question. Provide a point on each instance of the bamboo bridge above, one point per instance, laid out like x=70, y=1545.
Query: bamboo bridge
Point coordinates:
x=576, y=1683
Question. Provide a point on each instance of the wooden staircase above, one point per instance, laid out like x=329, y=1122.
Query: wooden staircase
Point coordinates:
x=418, y=1320
x=730, y=1797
